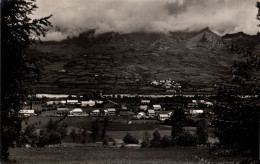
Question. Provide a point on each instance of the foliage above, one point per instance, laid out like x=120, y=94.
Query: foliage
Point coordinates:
x=202, y=132
x=186, y=139
x=146, y=140
x=18, y=32
x=103, y=135
x=166, y=141
x=73, y=134
x=156, y=141
x=54, y=138
x=129, y=139
x=178, y=121
x=94, y=130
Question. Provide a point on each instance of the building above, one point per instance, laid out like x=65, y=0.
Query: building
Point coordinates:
x=106, y=112
x=192, y=105
x=196, y=112
x=143, y=107
x=208, y=103
x=163, y=117
x=111, y=111
x=157, y=107
x=72, y=102
x=123, y=107
x=61, y=111
x=26, y=112
x=88, y=103
x=76, y=112
x=151, y=113
x=95, y=112
x=145, y=101
x=140, y=115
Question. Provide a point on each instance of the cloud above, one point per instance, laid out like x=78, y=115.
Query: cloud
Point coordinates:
x=71, y=17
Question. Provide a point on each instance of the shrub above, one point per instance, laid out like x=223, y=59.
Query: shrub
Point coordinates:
x=129, y=139
x=166, y=141
x=54, y=138
x=156, y=141
x=146, y=140
x=186, y=139
x=202, y=132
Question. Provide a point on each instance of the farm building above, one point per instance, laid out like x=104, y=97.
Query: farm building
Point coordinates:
x=208, y=103
x=72, y=101
x=106, y=112
x=145, y=101
x=140, y=115
x=88, y=103
x=27, y=112
x=143, y=107
x=76, y=112
x=123, y=107
x=95, y=112
x=151, y=113
x=163, y=117
x=111, y=111
x=157, y=107
x=192, y=105
x=196, y=112
x=61, y=111
x=99, y=102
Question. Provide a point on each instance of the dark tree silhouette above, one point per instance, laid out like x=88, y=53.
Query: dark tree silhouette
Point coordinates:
x=18, y=32
x=94, y=130
x=177, y=121
x=202, y=132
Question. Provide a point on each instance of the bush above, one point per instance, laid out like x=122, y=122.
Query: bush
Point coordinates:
x=186, y=139
x=166, y=141
x=156, y=141
x=146, y=140
x=129, y=139
x=54, y=138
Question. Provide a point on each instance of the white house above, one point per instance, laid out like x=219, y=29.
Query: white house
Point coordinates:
x=145, y=101
x=157, y=107
x=72, y=101
x=163, y=117
x=208, y=103
x=26, y=112
x=111, y=111
x=95, y=112
x=196, y=112
x=143, y=107
x=88, y=103
x=76, y=112
x=140, y=115
x=151, y=113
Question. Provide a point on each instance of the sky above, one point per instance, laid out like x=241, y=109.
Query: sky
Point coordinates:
x=72, y=17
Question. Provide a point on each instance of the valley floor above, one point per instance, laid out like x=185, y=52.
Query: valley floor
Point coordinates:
x=116, y=155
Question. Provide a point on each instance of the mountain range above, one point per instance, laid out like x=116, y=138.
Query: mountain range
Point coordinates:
x=114, y=61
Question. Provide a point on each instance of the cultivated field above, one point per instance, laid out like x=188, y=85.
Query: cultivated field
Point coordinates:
x=114, y=155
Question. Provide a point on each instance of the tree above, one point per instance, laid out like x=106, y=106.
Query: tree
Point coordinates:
x=129, y=139
x=104, y=128
x=19, y=31
x=94, y=130
x=177, y=120
x=156, y=141
x=146, y=140
x=73, y=134
x=258, y=6
x=202, y=132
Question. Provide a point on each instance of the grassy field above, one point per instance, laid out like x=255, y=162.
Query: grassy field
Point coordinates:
x=113, y=155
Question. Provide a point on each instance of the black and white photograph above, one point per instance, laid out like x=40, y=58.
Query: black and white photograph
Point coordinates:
x=130, y=81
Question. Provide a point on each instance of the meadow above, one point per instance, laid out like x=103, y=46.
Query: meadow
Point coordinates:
x=115, y=155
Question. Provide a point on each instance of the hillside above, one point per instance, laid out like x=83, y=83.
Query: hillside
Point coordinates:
x=118, y=62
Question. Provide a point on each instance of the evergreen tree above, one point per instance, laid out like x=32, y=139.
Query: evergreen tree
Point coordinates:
x=202, y=132
x=19, y=31
x=177, y=120
x=94, y=130
x=156, y=141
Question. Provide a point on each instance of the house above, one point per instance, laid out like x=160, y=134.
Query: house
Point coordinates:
x=95, y=112
x=111, y=111
x=26, y=112
x=123, y=107
x=72, y=102
x=163, y=117
x=192, y=105
x=76, y=112
x=145, y=101
x=88, y=103
x=157, y=107
x=61, y=111
x=50, y=102
x=106, y=112
x=143, y=107
x=99, y=102
x=140, y=115
x=208, y=103
x=196, y=112
x=151, y=113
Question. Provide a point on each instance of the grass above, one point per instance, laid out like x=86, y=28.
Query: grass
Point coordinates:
x=113, y=155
